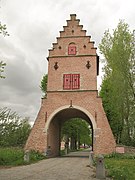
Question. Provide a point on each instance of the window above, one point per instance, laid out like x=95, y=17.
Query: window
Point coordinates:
x=71, y=81
x=72, y=50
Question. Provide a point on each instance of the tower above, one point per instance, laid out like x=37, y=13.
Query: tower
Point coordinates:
x=71, y=92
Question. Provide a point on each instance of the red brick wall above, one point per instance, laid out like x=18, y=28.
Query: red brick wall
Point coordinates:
x=74, y=65
x=86, y=104
x=103, y=138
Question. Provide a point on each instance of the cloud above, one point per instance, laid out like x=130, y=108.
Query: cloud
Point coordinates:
x=20, y=89
x=33, y=26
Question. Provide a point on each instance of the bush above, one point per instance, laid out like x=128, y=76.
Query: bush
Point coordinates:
x=36, y=156
x=120, y=156
x=11, y=156
x=15, y=157
x=14, y=130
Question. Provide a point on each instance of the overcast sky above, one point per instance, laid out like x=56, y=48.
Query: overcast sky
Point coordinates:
x=33, y=26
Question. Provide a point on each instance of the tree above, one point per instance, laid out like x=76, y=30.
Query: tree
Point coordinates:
x=5, y=33
x=118, y=87
x=78, y=131
x=14, y=130
x=2, y=66
x=3, y=30
x=43, y=85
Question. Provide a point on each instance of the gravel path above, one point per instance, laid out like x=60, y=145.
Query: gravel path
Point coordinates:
x=75, y=167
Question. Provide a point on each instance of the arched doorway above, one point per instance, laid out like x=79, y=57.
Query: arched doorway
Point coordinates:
x=56, y=121
x=76, y=135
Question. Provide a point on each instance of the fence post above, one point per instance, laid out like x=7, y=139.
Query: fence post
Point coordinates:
x=100, y=168
x=26, y=156
x=91, y=158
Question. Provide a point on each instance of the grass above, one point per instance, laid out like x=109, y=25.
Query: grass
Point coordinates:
x=120, y=167
x=15, y=157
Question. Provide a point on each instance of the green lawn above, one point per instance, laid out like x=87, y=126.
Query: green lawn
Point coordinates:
x=121, y=167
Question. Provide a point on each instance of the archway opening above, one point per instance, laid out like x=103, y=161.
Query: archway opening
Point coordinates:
x=76, y=134
x=56, y=125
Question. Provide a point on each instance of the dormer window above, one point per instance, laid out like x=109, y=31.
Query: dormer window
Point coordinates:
x=72, y=49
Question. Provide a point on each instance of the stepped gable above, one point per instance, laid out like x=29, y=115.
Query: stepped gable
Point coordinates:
x=72, y=34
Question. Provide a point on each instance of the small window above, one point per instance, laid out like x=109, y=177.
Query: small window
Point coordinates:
x=71, y=81
x=72, y=50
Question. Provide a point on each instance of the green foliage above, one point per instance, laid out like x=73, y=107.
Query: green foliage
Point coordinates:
x=3, y=29
x=120, y=166
x=119, y=173
x=120, y=156
x=11, y=156
x=14, y=131
x=2, y=66
x=77, y=130
x=36, y=156
x=43, y=85
x=62, y=152
x=15, y=157
x=118, y=87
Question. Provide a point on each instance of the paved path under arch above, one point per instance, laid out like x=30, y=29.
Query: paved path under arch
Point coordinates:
x=73, y=167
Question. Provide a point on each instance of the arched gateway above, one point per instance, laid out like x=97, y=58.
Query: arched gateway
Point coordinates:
x=71, y=92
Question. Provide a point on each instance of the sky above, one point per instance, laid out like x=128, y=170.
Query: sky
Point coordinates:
x=33, y=26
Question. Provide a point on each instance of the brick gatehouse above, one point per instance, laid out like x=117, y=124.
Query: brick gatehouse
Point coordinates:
x=73, y=67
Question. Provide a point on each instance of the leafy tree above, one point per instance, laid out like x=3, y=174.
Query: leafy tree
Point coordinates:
x=78, y=131
x=3, y=31
x=118, y=87
x=43, y=85
x=14, y=130
x=2, y=66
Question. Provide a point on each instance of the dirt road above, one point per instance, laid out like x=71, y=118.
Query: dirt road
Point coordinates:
x=74, y=167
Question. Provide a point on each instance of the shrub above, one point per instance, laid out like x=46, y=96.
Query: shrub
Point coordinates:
x=36, y=156
x=11, y=156
x=120, y=156
x=15, y=156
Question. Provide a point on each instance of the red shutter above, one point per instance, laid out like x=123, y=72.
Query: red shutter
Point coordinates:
x=67, y=81
x=71, y=81
x=71, y=50
x=75, y=81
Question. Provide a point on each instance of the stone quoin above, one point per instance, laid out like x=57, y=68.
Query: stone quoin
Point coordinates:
x=73, y=67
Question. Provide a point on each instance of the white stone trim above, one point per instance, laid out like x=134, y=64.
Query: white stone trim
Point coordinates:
x=92, y=119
